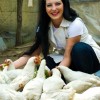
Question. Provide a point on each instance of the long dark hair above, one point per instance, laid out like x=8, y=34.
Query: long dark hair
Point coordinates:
x=41, y=38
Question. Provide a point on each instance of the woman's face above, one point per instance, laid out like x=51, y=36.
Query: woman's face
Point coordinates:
x=54, y=9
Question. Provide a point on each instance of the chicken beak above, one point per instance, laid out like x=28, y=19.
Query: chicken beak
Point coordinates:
x=2, y=66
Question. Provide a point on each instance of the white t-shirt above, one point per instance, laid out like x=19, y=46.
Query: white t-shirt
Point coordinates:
x=67, y=29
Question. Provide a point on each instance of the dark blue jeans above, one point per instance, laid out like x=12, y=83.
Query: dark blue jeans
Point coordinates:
x=83, y=58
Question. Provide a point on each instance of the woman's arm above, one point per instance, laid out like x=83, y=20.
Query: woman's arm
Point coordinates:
x=67, y=55
x=21, y=62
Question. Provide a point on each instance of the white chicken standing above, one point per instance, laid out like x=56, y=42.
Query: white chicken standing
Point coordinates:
x=52, y=84
x=78, y=85
x=71, y=75
x=9, y=65
x=26, y=75
x=9, y=72
x=93, y=81
x=90, y=94
x=12, y=74
x=3, y=78
x=33, y=89
x=7, y=93
x=63, y=94
x=50, y=99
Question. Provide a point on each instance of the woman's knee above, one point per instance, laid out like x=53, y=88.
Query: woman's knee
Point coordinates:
x=80, y=48
x=83, y=58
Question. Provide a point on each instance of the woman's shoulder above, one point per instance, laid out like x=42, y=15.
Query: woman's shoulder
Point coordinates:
x=78, y=22
x=76, y=27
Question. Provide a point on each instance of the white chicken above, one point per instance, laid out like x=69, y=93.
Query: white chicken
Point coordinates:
x=78, y=85
x=26, y=75
x=3, y=78
x=33, y=89
x=8, y=65
x=12, y=74
x=94, y=81
x=7, y=93
x=63, y=94
x=9, y=72
x=52, y=84
x=71, y=75
x=90, y=94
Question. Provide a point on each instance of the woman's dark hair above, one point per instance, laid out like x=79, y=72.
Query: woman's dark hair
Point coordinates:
x=69, y=14
x=42, y=38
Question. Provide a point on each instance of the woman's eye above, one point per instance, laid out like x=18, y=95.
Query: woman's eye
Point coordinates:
x=49, y=5
x=58, y=4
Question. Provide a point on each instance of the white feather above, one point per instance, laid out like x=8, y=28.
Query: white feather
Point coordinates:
x=26, y=75
x=90, y=94
x=33, y=89
x=71, y=75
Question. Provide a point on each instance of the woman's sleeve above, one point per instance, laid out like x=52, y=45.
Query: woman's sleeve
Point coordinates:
x=76, y=28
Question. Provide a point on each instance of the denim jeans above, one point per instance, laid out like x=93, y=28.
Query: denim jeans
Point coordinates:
x=83, y=58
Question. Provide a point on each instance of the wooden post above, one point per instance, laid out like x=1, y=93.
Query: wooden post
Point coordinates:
x=19, y=22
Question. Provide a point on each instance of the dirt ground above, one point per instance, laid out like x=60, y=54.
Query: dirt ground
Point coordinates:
x=14, y=53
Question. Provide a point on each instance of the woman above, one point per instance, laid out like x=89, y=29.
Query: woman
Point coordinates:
x=59, y=26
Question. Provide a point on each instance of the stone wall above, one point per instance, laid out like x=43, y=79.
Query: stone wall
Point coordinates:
x=8, y=21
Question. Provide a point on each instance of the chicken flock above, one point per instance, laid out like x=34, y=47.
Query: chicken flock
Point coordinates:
x=31, y=83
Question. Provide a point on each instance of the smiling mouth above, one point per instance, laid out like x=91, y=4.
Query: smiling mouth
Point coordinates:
x=55, y=14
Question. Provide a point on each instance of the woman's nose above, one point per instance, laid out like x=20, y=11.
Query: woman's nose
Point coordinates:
x=54, y=7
